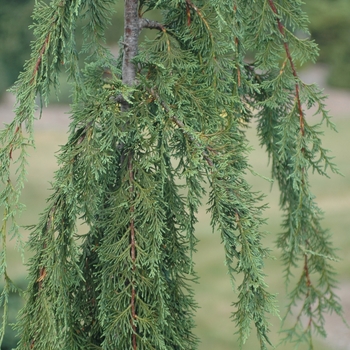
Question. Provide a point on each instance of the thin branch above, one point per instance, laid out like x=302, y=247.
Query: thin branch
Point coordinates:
x=306, y=266
x=200, y=14
x=49, y=226
x=149, y=24
x=42, y=270
x=18, y=129
x=41, y=54
x=294, y=72
x=237, y=64
x=308, y=283
x=132, y=252
x=188, y=13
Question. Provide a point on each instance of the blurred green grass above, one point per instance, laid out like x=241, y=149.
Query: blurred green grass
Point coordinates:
x=214, y=293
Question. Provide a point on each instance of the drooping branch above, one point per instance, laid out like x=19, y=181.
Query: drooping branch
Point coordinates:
x=189, y=5
x=49, y=227
x=40, y=57
x=236, y=217
x=42, y=270
x=281, y=29
x=132, y=251
x=302, y=223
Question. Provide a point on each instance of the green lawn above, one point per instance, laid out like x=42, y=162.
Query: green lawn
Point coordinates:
x=214, y=293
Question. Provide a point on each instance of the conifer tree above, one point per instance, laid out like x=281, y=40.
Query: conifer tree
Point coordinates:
x=148, y=130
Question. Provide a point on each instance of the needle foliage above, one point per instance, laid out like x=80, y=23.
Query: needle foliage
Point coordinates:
x=151, y=132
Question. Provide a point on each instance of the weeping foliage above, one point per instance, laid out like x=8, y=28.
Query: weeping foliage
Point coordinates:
x=150, y=131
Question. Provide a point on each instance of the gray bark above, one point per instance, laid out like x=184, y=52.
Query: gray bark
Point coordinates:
x=131, y=35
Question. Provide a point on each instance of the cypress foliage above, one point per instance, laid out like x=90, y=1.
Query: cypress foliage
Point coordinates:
x=148, y=130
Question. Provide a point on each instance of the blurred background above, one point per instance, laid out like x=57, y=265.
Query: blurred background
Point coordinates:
x=330, y=27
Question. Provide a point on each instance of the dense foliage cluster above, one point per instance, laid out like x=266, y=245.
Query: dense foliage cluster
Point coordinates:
x=148, y=130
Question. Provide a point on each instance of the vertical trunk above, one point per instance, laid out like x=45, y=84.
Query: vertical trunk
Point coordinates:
x=131, y=33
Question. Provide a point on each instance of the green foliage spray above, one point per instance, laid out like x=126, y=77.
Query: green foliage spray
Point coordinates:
x=147, y=130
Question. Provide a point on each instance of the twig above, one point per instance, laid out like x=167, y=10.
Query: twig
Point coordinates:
x=147, y=23
x=132, y=251
x=199, y=13
x=41, y=53
x=294, y=72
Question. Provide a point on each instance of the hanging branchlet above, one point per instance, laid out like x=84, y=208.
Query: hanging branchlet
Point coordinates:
x=294, y=147
x=39, y=76
x=281, y=29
